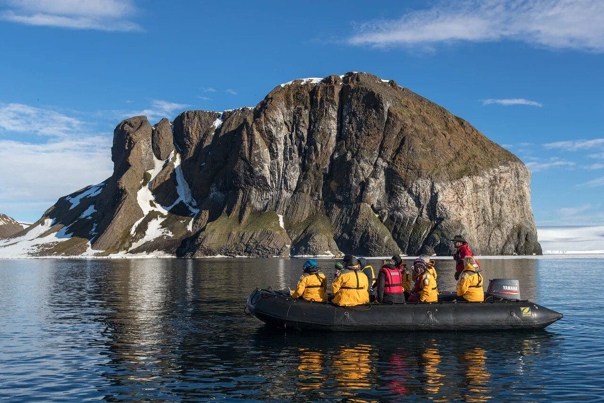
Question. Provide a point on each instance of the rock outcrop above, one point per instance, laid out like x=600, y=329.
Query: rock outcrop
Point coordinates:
x=323, y=166
x=9, y=226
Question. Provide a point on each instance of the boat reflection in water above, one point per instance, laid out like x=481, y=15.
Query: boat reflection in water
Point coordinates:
x=354, y=370
x=396, y=366
x=476, y=374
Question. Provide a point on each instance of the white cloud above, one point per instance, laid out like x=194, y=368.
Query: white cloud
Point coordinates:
x=103, y=15
x=159, y=109
x=21, y=118
x=574, y=211
x=569, y=239
x=595, y=166
x=594, y=183
x=536, y=166
x=576, y=145
x=509, y=102
x=45, y=172
x=61, y=158
x=558, y=24
x=231, y=91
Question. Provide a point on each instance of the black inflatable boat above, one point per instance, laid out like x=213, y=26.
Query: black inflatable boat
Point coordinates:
x=278, y=309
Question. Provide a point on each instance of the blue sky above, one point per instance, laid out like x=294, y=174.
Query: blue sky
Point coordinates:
x=528, y=74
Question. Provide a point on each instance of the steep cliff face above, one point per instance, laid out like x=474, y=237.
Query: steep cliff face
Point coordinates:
x=344, y=164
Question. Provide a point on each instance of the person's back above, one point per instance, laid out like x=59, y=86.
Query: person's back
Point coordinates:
x=350, y=287
x=390, y=285
x=469, y=286
x=312, y=285
x=427, y=289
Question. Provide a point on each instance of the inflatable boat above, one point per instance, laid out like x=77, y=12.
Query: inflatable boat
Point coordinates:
x=498, y=312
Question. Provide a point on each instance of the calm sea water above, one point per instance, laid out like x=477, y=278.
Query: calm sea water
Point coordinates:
x=175, y=330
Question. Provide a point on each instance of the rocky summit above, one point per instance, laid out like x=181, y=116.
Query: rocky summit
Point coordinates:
x=343, y=164
x=9, y=226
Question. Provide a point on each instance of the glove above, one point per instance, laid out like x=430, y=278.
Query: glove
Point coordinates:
x=457, y=274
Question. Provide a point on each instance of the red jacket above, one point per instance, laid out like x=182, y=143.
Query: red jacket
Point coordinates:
x=460, y=254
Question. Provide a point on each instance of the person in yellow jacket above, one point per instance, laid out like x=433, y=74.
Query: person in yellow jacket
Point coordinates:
x=425, y=289
x=350, y=287
x=312, y=285
x=430, y=268
x=469, y=285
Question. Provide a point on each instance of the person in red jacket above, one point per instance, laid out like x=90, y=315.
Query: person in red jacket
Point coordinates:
x=462, y=250
x=390, y=284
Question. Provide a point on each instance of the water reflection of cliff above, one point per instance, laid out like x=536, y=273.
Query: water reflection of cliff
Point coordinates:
x=159, y=317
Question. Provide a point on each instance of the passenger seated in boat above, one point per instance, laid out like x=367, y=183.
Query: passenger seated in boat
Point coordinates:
x=469, y=285
x=425, y=288
x=431, y=268
x=312, y=285
x=368, y=270
x=389, y=288
x=350, y=287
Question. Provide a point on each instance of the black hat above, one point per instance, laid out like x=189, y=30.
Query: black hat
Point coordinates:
x=352, y=262
x=459, y=238
x=397, y=260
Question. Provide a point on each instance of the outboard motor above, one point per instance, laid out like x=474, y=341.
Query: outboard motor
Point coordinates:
x=504, y=288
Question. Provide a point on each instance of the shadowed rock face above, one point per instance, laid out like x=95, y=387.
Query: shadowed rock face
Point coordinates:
x=349, y=164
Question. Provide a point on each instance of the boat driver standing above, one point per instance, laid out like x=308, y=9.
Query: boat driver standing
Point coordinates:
x=462, y=250
x=312, y=285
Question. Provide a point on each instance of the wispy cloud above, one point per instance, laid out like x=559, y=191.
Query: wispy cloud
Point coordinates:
x=576, y=145
x=574, y=211
x=594, y=183
x=510, y=102
x=231, y=91
x=159, y=109
x=536, y=166
x=102, y=15
x=558, y=24
x=19, y=118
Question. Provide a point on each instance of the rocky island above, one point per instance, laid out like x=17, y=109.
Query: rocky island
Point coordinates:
x=343, y=164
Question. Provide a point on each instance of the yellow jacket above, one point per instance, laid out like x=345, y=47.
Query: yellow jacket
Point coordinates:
x=469, y=285
x=428, y=291
x=408, y=279
x=311, y=287
x=350, y=288
x=432, y=270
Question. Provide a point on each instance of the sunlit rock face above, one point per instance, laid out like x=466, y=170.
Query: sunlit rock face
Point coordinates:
x=344, y=164
x=9, y=226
